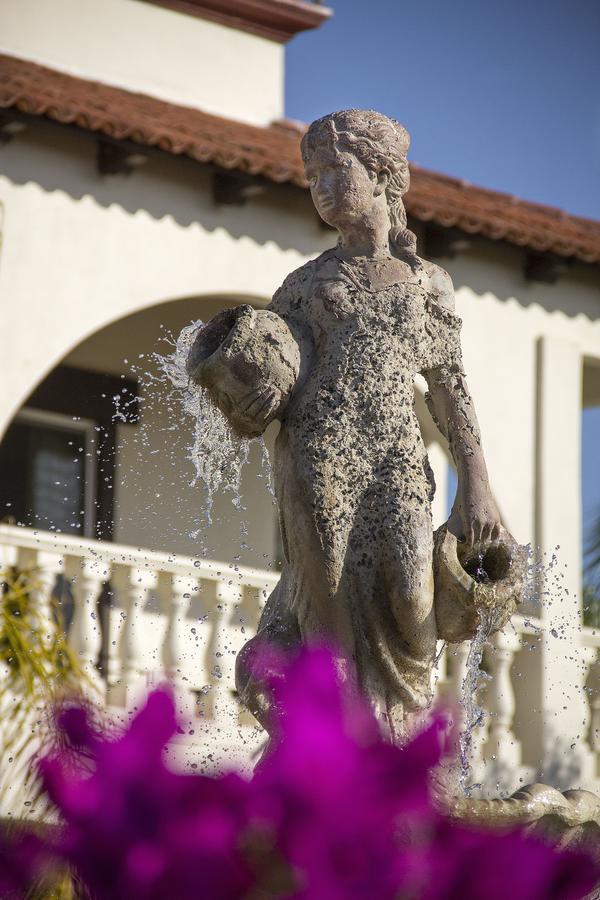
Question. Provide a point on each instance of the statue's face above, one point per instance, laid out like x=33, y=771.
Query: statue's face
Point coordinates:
x=343, y=190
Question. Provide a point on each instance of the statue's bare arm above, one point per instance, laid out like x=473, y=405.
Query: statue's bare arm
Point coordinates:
x=475, y=516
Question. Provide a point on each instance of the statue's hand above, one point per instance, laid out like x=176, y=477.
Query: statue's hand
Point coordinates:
x=260, y=404
x=475, y=517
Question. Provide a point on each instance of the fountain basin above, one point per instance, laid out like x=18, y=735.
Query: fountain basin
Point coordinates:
x=569, y=820
x=249, y=361
x=473, y=584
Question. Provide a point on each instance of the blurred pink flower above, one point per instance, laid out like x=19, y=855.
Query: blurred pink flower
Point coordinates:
x=335, y=793
x=333, y=812
x=135, y=829
x=21, y=861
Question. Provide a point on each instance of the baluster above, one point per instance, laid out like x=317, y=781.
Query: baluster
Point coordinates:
x=212, y=669
x=48, y=573
x=201, y=608
x=583, y=751
x=26, y=559
x=127, y=667
x=175, y=593
x=502, y=745
x=249, y=611
x=86, y=580
x=105, y=661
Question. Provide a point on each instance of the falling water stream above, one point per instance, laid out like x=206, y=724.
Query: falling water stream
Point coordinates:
x=218, y=456
x=473, y=714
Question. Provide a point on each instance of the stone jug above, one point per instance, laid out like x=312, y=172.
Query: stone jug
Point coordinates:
x=249, y=361
x=473, y=582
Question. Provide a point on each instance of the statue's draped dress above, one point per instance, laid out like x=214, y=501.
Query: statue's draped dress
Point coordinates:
x=353, y=482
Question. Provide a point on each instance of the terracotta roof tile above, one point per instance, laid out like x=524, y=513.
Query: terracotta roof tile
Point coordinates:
x=274, y=153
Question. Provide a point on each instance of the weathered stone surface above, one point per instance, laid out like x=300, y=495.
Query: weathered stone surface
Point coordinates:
x=569, y=820
x=476, y=584
x=351, y=473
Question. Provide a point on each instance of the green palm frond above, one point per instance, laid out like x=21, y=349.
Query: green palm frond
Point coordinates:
x=40, y=669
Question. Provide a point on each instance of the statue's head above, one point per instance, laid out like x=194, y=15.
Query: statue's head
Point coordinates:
x=355, y=162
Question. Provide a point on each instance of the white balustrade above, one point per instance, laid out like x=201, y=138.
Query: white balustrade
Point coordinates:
x=186, y=619
x=169, y=617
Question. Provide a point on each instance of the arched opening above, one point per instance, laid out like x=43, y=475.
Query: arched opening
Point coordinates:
x=101, y=449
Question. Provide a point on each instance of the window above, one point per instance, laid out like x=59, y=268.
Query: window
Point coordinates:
x=46, y=478
x=48, y=473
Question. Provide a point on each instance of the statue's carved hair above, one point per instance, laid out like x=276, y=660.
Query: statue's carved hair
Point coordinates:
x=381, y=144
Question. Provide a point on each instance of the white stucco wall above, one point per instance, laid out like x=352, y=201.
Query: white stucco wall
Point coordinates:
x=81, y=251
x=145, y=48
x=92, y=270
x=504, y=318
x=156, y=504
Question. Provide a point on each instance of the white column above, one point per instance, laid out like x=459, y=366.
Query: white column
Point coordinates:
x=438, y=461
x=563, y=668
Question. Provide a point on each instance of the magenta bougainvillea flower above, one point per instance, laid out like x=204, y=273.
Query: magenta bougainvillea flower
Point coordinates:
x=354, y=815
x=135, y=829
x=336, y=793
x=333, y=812
x=22, y=858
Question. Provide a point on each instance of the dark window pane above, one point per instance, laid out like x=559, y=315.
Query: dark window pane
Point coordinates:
x=42, y=480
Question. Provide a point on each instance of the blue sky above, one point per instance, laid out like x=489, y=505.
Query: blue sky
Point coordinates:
x=505, y=95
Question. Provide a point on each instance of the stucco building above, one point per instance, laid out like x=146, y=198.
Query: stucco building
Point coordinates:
x=148, y=177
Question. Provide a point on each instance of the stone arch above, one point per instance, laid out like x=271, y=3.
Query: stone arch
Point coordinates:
x=38, y=366
x=154, y=503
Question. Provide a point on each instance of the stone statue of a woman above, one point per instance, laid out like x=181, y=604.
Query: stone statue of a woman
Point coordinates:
x=352, y=479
